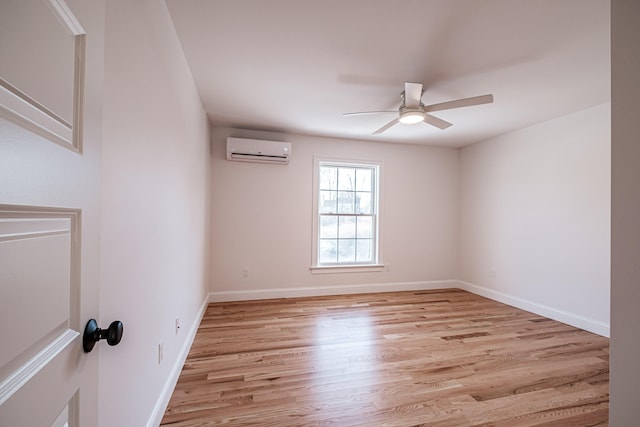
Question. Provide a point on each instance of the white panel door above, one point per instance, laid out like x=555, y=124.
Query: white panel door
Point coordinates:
x=51, y=62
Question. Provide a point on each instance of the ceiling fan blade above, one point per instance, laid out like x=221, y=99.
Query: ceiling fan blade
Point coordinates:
x=437, y=122
x=387, y=126
x=458, y=103
x=412, y=94
x=361, y=113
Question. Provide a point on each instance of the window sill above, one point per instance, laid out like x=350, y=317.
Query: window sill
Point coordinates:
x=327, y=269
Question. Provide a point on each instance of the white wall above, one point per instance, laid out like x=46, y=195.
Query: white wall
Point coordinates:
x=625, y=215
x=262, y=217
x=535, y=209
x=154, y=244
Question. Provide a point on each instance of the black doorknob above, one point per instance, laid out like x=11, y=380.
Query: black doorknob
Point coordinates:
x=93, y=334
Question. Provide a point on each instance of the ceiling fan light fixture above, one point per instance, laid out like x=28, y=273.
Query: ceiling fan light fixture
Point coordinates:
x=411, y=117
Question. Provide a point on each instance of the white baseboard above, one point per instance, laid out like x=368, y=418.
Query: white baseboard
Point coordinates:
x=572, y=319
x=256, y=294
x=163, y=401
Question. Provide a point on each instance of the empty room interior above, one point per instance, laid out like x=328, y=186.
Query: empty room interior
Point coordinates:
x=350, y=213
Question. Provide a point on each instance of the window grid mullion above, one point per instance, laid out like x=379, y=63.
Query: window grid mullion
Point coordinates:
x=343, y=214
x=338, y=239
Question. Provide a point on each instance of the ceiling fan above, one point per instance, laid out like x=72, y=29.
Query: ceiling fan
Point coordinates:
x=413, y=110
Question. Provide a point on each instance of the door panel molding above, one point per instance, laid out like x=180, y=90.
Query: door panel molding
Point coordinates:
x=11, y=384
x=26, y=110
x=42, y=245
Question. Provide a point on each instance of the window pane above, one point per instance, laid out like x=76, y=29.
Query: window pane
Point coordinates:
x=328, y=251
x=347, y=228
x=365, y=227
x=345, y=202
x=347, y=199
x=363, y=203
x=346, y=250
x=346, y=179
x=328, y=201
x=363, y=252
x=328, y=227
x=328, y=178
x=364, y=179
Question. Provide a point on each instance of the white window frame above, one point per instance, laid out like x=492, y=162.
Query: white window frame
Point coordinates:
x=377, y=264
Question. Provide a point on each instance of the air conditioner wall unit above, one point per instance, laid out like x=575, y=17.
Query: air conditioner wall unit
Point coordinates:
x=257, y=151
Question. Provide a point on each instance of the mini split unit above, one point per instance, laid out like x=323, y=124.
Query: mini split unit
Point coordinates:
x=253, y=150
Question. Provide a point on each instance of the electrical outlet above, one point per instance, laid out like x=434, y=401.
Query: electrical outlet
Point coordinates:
x=245, y=272
x=160, y=352
x=387, y=267
x=493, y=274
x=177, y=325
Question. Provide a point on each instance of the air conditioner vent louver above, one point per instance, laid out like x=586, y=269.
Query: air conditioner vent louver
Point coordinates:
x=257, y=151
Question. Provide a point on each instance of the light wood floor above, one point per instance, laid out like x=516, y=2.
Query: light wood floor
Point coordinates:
x=429, y=358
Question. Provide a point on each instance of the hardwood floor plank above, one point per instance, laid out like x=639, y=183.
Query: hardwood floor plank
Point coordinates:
x=432, y=358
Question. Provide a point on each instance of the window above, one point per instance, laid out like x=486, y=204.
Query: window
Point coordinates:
x=347, y=219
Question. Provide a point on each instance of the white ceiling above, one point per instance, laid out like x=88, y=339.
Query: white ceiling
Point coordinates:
x=295, y=66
